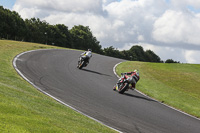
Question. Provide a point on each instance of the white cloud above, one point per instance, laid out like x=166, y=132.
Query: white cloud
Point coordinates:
x=63, y=5
x=170, y=28
x=140, y=38
x=137, y=16
x=185, y=3
x=192, y=56
x=37, y=8
x=177, y=27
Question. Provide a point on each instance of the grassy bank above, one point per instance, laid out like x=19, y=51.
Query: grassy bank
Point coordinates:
x=177, y=85
x=24, y=109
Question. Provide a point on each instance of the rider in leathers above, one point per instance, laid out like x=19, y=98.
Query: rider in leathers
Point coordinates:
x=86, y=54
x=132, y=79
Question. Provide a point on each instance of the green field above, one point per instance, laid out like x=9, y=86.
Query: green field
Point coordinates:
x=25, y=109
x=177, y=85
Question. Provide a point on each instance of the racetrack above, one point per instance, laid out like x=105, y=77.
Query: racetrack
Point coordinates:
x=90, y=91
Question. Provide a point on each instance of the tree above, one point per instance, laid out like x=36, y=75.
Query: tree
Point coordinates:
x=2, y=22
x=152, y=57
x=125, y=54
x=83, y=39
x=12, y=25
x=63, y=36
x=137, y=53
x=111, y=51
x=36, y=30
x=171, y=61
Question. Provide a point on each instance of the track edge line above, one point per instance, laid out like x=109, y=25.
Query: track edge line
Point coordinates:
x=114, y=70
x=15, y=67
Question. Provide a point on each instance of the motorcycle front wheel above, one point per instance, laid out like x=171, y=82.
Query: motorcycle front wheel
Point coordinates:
x=123, y=88
x=82, y=63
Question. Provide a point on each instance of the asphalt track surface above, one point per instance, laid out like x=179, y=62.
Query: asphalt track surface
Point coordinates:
x=90, y=91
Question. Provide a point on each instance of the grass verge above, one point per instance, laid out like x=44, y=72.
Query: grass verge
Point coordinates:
x=177, y=85
x=24, y=109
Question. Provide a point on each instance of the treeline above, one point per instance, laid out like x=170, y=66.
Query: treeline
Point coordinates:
x=135, y=53
x=13, y=27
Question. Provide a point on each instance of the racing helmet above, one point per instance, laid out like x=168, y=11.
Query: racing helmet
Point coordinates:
x=90, y=49
x=137, y=72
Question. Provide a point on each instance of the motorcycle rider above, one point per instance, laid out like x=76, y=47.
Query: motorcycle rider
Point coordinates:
x=132, y=79
x=86, y=54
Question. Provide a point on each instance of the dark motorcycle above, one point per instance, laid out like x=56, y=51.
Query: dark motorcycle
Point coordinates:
x=122, y=84
x=83, y=62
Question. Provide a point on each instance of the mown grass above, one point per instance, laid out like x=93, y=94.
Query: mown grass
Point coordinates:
x=25, y=109
x=177, y=85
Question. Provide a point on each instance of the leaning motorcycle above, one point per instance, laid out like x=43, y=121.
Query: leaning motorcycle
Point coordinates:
x=122, y=84
x=83, y=62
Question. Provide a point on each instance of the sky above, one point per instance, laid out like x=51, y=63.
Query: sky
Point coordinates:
x=170, y=28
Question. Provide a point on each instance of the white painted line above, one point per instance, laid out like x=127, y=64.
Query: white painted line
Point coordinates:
x=114, y=68
x=14, y=64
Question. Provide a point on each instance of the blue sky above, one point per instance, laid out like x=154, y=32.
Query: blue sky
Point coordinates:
x=196, y=10
x=7, y=3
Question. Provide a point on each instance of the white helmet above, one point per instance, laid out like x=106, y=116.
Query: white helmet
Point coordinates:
x=137, y=72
